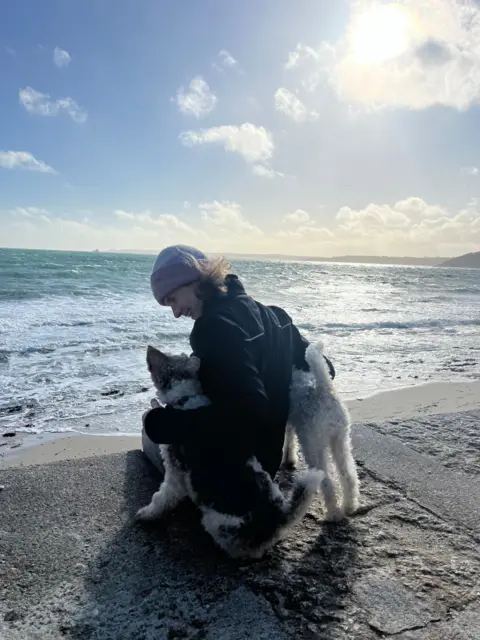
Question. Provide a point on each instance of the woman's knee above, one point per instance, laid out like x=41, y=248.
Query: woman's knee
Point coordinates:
x=152, y=451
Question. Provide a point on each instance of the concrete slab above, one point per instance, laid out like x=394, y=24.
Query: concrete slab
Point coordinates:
x=450, y=493
x=391, y=607
x=74, y=564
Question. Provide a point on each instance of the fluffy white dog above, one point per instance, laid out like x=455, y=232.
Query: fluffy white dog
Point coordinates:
x=321, y=423
x=267, y=516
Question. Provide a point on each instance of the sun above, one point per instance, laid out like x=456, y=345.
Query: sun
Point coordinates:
x=380, y=33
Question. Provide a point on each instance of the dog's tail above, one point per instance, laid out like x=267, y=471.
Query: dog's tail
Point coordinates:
x=269, y=522
x=280, y=521
x=275, y=520
x=318, y=364
x=307, y=485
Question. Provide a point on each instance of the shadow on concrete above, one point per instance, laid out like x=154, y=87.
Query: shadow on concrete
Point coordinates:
x=165, y=580
x=308, y=578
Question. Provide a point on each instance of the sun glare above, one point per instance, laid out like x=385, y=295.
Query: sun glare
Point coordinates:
x=380, y=33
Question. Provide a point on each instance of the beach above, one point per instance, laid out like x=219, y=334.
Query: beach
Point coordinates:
x=74, y=564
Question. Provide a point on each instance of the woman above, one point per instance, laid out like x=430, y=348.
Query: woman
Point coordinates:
x=246, y=351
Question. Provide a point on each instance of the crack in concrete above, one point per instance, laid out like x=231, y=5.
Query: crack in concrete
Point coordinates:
x=367, y=508
x=382, y=634
x=391, y=484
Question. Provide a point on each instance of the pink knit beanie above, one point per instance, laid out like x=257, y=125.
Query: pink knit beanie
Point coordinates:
x=174, y=268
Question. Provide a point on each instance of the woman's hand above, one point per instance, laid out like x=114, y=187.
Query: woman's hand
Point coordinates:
x=154, y=403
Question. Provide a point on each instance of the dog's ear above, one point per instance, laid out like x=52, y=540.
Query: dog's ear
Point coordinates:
x=156, y=360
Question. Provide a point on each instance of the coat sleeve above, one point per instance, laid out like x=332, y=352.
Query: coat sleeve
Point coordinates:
x=231, y=380
x=298, y=342
x=299, y=347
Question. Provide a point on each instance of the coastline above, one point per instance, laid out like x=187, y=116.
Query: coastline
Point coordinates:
x=402, y=403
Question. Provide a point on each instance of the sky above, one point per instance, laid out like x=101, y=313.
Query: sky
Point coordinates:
x=306, y=127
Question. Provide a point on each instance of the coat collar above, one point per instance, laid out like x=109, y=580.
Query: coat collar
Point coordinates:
x=234, y=289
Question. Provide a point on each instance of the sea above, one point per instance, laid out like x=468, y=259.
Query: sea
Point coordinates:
x=74, y=327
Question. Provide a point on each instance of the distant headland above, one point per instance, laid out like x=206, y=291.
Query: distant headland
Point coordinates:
x=468, y=260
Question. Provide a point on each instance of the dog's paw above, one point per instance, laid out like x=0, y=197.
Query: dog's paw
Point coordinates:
x=351, y=508
x=336, y=515
x=146, y=514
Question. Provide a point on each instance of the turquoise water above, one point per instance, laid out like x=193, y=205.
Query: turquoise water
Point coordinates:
x=74, y=328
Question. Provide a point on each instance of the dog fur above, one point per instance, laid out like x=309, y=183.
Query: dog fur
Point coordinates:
x=251, y=534
x=321, y=422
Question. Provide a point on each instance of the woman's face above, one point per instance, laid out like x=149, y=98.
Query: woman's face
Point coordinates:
x=184, y=302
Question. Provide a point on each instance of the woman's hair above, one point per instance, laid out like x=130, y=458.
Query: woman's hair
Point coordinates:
x=213, y=273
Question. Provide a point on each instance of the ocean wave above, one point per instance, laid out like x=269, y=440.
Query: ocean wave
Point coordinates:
x=9, y=295
x=75, y=323
x=31, y=350
x=416, y=324
x=59, y=429
x=173, y=335
x=29, y=430
x=467, y=290
x=48, y=349
x=15, y=408
x=137, y=343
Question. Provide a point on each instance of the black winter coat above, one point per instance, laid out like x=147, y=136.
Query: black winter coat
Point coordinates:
x=246, y=352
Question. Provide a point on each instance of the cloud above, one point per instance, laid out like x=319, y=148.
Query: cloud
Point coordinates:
x=61, y=58
x=226, y=59
x=297, y=217
x=197, y=100
x=408, y=227
x=31, y=213
x=219, y=225
x=299, y=227
x=163, y=221
x=28, y=212
x=11, y=52
x=254, y=144
x=399, y=55
x=371, y=218
x=265, y=172
x=291, y=106
x=228, y=217
x=302, y=52
x=470, y=171
x=219, y=221
x=416, y=207
x=40, y=104
x=310, y=65
x=23, y=160
x=120, y=230
x=307, y=236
